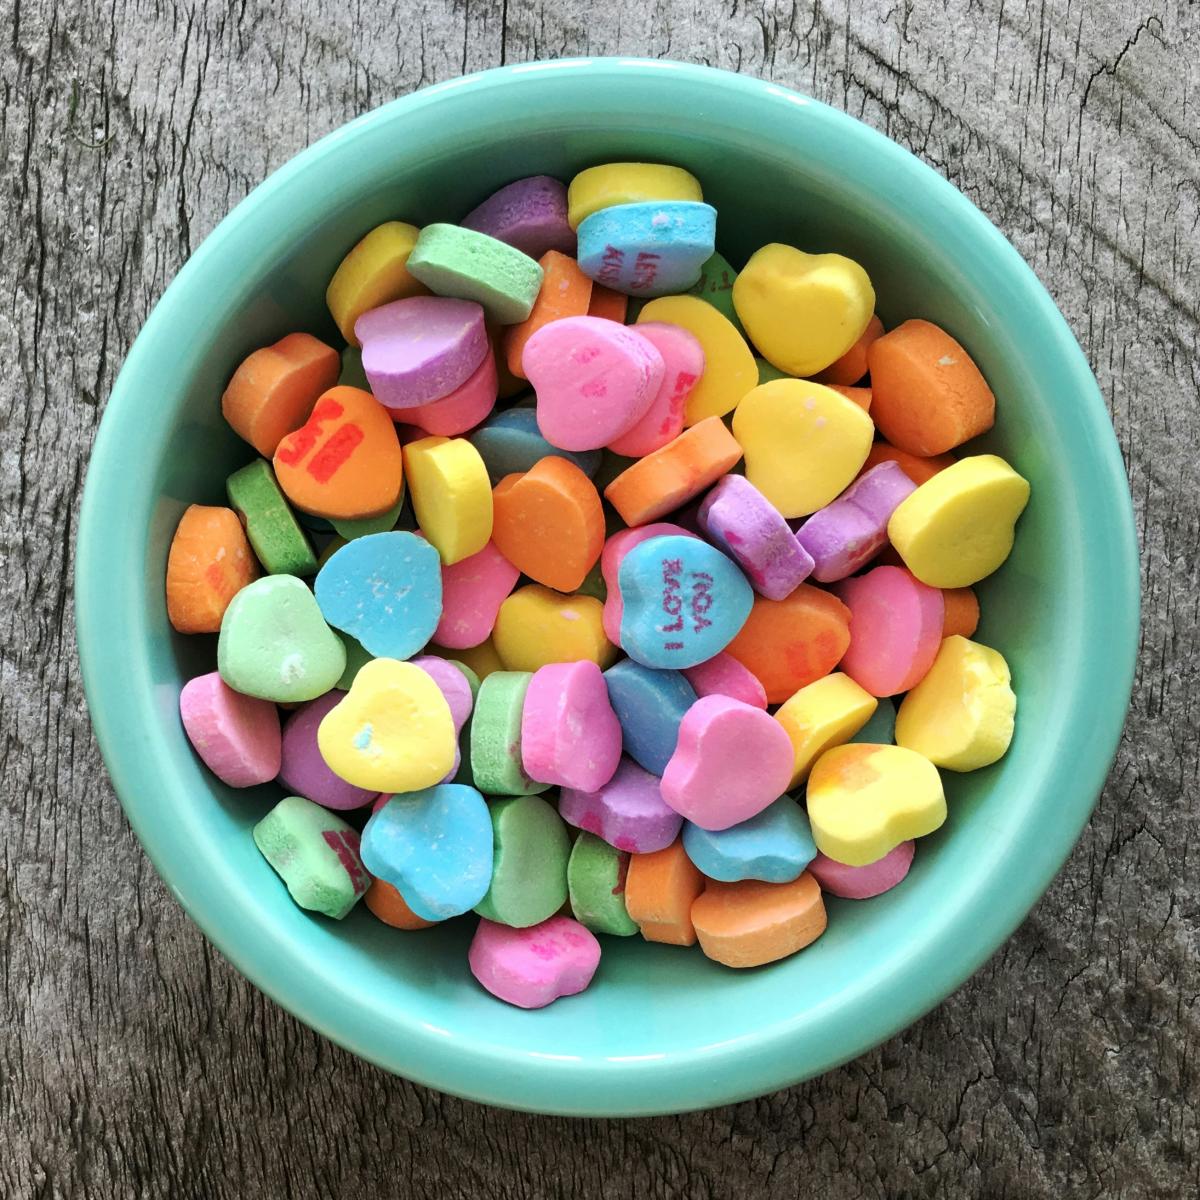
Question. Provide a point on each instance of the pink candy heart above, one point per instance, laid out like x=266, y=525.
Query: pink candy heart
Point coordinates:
x=533, y=966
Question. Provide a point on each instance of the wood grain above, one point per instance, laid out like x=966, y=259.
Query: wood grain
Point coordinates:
x=135, y=1062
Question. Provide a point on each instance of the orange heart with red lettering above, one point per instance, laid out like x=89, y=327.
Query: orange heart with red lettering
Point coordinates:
x=344, y=462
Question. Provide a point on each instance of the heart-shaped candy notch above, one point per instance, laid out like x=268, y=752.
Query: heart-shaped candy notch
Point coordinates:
x=274, y=643
x=531, y=967
x=393, y=732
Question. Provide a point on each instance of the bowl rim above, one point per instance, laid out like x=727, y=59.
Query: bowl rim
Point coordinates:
x=778, y=1055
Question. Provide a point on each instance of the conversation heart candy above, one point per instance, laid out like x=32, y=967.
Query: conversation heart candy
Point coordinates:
x=748, y=923
x=303, y=771
x=612, y=184
x=386, y=903
x=846, y=534
x=421, y=348
x=385, y=590
x=373, y=273
x=627, y=811
x=275, y=388
x=566, y=292
x=730, y=761
x=549, y=523
x=615, y=549
x=928, y=395
x=236, y=736
x=468, y=265
x=344, y=461
x=496, y=761
x=684, y=602
x=918, y=469
x=274, y=643
x=895, y=629
x=804, y=443
x=458, y=411
x=653, y=248
x=715, y=286
x=650, y=706
x=528, y=214
x=458, y=686
x=536, y=626
x=958, y=527
x=435, y=847
x=472, y=591
x=660, y=889
x=775, y=845
x=960, y=716
x=393, y=731
x=510, y=443
x=861, y=883
x=529, y=876
x=852, y=366
x=740, y=520
x=723, y=675
x=451, y=495
x=209, y=562
x=606, y=303
x=788, y=643
x=596, y=875
x=864, y=800
x=315, y=854
x=827, y=712
x=271, y=527
x=803, y=311
x=532, y=967
x=594, y=380
x=570, y=735
x=729, y=368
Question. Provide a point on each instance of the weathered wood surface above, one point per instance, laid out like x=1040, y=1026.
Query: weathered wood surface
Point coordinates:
x=135, y=1062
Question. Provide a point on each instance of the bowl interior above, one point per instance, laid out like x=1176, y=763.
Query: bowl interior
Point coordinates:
x=661, y=1028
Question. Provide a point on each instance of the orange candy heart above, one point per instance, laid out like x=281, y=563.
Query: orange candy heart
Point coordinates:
x=345, y=460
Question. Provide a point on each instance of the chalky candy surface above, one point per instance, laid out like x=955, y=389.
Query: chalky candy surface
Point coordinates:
x=472, y=591
x=655, y=248
x=847, y=534
x=596, y=875
x=236, y=736
x=462, y=409
x=315, y=854
x=611, y=184
x=532, y=967
x=496, y=761
x=304, y=772
x=612, y=556
x=274, y=643
x=731, y=761
x=684, y=602
x=775, y=846
x=465, y=264
x=660, y=889
x=570, y=735
x=529, y=875
x=744, y=523
x=274, y=533
x=209, y=562
x=459, y=691
x=683, y=361
x=434, y=847
x=538, y=625
x=861, y=883
x=594, y=380
x=529, y=214
x=628, y=811
x=748, y=923
x=385, y=590
x=822, y=714
x=650, y=706
x=510, y=443
x=723, y=675
x=421, y=348
x=451, y=495
x=372, y=274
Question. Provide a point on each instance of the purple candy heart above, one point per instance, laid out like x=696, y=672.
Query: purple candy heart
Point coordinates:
x=849, y=532
x=530, y=214
x=454, y=686
x=628, y=812
x=302, y=770
x=746, y=525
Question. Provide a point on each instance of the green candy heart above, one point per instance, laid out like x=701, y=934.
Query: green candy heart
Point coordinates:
x=274, y=643
x=529, y=875
x=496, y=736
x=280, y=544
x=596, y=884
x=715, y=286
x=362, y=526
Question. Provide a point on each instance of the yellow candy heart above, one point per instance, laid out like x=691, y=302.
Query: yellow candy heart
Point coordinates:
x=957, y=527
x=804, y=443
x=393, y=732
x=375, y=272
x=627, y=183
x=451, y=495
x=821, y=715
x=960, y=716
x=537, y=626
x=802, y=311
x=729, y=367
x=864, y=800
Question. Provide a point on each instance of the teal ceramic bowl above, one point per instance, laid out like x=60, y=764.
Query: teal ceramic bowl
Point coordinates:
x=662, y=1029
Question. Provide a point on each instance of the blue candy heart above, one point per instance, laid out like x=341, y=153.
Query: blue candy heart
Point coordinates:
x=775, y=846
